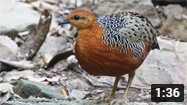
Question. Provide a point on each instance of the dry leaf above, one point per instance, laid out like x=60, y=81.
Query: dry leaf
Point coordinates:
x=64, y=92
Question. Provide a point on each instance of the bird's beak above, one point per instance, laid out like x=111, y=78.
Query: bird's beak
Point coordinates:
x=65, y=21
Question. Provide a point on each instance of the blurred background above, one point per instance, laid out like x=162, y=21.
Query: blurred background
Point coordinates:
x=37, y=55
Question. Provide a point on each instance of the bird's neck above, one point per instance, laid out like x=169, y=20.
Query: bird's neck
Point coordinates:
x=93, y=31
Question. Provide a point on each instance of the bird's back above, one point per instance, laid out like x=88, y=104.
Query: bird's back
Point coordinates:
x=129, y=31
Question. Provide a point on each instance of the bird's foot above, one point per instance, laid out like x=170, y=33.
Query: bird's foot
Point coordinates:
x=119, y=101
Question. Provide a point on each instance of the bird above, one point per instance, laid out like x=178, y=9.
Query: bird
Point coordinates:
x=112, y=45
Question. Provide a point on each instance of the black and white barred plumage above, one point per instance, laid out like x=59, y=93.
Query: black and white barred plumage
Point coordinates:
x=128, y=29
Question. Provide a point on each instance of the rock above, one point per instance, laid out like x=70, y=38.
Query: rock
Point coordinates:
x=44, y=57
x=16, y=16
x=8, y=47
x=106, y=80
x=60, y=66
x=79, y=3
x=176, y=23
x=165, y=66
x=6, y=92
x=78, y=95
x=1, y=79
x=173, y=10
x=52, y=44
x=5, y=87
x=70, y=31
x=175, y=27
x=31, y=75
x=17, y=74
x=145, y=8
x=61, y=56
x=50, y=47
x=97, y=91
x=41, y=4
x=27, y=88
x=71, y=59
x=76, y=84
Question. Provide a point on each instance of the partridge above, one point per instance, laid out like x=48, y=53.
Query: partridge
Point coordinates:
x=112, y=45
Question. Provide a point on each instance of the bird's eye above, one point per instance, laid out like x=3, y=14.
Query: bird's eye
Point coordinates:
x=76, y=17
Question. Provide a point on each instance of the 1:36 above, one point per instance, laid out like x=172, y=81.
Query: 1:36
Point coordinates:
x=169, y=92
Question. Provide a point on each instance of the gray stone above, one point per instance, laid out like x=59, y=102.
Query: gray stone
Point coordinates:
x=76, y=84
x=27, y=88
x=175, y=27
x=71, y=59
x=16, y=16
x=78, y=95
x=8, y=47
x=97, y=91
x=6, y=92
x=175, y=24
x=52, y=44
x=106, y=80
x=50, y=47
x=17, y=74
x=173, y=10
x=144, y=7
x=165, y=66
x=79, y=3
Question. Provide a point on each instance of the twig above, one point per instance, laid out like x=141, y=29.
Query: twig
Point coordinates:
x=16, y=64
x=37, y=37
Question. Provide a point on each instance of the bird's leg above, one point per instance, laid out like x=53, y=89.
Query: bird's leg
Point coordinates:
x=112, y=94
x=131, y=76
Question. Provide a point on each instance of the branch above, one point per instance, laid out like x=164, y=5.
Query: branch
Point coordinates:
x=6, y=64
x=37, y=37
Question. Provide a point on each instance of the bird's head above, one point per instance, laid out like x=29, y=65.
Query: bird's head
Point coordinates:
x=80, y=18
